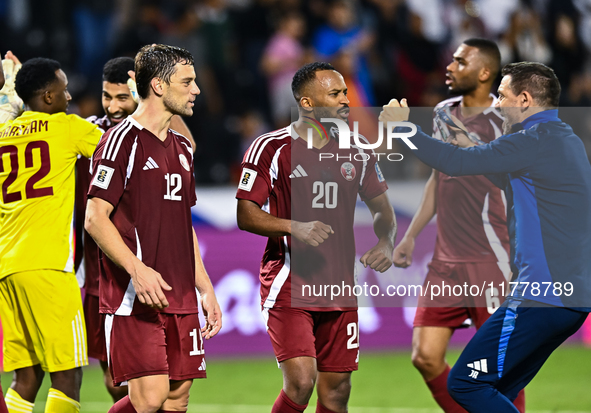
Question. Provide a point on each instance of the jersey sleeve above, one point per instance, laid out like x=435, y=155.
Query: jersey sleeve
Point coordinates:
x=507, y=154
x=373, y=183
x=85, y=135
x=111, y=168
x=256, y=182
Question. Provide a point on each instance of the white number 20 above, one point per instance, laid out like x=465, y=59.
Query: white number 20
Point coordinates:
x=174, y=183
x=329, y=191
x=352, y=331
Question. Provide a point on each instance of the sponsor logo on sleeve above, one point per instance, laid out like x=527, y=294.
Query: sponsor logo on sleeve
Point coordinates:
x=379, y=173
x=103, y=176
x=247, y=179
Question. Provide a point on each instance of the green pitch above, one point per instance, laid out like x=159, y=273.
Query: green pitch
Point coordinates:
x=385, y=383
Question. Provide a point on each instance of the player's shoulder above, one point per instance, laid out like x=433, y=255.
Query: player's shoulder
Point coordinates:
x=361, y=138
x=453, y=101
x=268, y=144
x=182, y=139
x=120, y=136
x=103, y=123
x=492, y=112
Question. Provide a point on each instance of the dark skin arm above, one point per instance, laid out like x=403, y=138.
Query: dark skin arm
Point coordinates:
x=379, y=258
x=253, y=219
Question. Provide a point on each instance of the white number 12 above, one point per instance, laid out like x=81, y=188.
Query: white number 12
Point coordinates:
x=174, y=182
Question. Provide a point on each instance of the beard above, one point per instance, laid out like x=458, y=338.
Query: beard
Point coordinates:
x=461, y=89
x=510, y=118
x=328, y=112
x=507, y=125
x=176, y=107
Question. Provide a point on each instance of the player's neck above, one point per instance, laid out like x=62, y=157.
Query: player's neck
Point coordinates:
x=153, y=118
x=302, y=128
x=476, y=102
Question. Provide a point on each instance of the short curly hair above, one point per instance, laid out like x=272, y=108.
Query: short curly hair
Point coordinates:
x=305, y=75
x=115, y=70
x=35, y=75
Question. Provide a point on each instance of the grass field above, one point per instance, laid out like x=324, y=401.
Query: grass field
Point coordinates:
x=385, y=383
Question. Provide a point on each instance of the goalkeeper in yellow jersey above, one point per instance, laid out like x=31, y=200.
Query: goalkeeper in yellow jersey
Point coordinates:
x=40, y=304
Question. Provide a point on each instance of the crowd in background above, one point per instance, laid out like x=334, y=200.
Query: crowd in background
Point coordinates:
x=246, y=52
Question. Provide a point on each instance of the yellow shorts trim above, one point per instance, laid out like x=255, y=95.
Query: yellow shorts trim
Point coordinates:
x=42, y=321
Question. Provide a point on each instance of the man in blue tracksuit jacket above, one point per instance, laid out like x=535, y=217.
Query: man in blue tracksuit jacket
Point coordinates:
x=547, y=179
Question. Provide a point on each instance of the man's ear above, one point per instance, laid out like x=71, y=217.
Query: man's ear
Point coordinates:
x=157, y=86
x=306, y=104
x=484, y=74
x=526, y=100
x=47, y=97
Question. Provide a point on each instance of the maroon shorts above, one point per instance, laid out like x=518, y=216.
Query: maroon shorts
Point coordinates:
x=95, y=328
x=331, y=337
x=464, y=309
x=155, y=343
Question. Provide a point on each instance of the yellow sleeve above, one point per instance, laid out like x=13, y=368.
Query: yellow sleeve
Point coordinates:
x=85, y=135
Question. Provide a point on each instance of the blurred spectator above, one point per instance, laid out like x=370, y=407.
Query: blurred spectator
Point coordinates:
x=465, y=19
x=525, y=39
x=419, y=58
x=283, y=56
x=244, y=62
x=94, y=22
x=343, y=34
x=567, y=47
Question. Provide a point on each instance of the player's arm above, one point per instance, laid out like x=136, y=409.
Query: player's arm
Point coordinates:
x=178, y=124
x=253, y=219
x=506, y=154
x=148, y=283
x=427, y=210
x=379, y=258
x=209, y=302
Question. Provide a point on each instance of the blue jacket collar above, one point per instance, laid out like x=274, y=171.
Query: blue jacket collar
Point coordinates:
x=550, y=115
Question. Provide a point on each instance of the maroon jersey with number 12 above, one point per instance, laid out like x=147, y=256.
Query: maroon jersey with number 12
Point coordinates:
x=289, y=180
x=151, y=185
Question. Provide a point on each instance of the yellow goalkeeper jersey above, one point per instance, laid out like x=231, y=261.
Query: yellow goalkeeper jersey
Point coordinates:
x=38, y=154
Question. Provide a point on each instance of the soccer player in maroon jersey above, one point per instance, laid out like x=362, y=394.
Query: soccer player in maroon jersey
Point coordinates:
x=472, y=239
x=118, y=103
x=139, y=214
x=306, y=209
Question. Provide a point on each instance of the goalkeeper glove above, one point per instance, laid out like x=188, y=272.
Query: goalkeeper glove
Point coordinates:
x=133, y=89
x=11, y=105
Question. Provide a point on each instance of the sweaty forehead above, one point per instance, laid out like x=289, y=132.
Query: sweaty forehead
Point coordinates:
x=329, y=79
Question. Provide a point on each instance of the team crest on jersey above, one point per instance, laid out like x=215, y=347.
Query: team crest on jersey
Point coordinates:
x=348, y=171
x=184, y=162
x=103, y=176
x=247, y=179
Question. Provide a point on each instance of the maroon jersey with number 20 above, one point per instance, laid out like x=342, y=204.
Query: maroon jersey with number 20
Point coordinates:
x=289, y=180
x=151, y=185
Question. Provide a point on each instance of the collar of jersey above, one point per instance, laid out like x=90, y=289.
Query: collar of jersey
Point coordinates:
x=544, y=116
